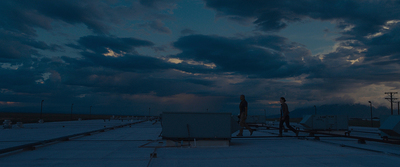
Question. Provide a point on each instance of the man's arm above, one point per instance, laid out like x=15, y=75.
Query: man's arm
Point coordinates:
x=245, y=111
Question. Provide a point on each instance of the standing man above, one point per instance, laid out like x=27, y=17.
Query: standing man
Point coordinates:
x=285, y=117
x=243, y=116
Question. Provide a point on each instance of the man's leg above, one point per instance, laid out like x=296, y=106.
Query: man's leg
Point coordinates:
x=248, y=128
x=288, y=125
x=242, y=124
x=240, y=132
x=281, y=126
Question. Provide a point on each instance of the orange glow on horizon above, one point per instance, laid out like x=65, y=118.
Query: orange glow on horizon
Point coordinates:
x=8, y=103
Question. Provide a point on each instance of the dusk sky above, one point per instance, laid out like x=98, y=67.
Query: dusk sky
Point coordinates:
x=124, y=57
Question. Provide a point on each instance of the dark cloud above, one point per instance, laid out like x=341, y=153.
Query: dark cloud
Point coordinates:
x=101, y=44
x=32, y=80
x=367, y=51
x=115, y=53
x=20, y=19
x=125, y=84
x=122, y=81
x=200, y=82
x=11, y=51
x=96, y=52
x=261, y=56
x=25, y=15
x=386, y=44
x=157, y=26
x=138, y=75
x=157, y=3
x=128, y=73
x=17, y=77
x=127, y=62
x=369, y=30
x=187, y=31
x=366, y=17
x=17, y=46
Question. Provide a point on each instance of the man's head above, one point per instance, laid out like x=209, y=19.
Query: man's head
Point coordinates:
x=242, y=97
x=282, y=100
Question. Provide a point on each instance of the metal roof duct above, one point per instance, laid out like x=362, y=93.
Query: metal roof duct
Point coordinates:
x=183, y=125
x=390, y=126
x=325, y=122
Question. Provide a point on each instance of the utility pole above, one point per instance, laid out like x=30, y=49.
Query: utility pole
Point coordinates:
x=391, y=100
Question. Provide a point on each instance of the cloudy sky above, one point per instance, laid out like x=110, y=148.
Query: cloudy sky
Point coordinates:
x=124, y=57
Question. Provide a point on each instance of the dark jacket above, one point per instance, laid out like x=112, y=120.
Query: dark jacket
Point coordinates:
x=284, y=110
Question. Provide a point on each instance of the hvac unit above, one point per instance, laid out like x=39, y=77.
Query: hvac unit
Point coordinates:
x=390, y=126
x=325, y=122
x=186, y=125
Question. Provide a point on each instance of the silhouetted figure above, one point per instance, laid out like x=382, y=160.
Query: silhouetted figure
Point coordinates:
x=285, y=117
x=243, y=116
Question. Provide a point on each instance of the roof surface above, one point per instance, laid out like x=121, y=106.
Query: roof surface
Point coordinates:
x=132, y=146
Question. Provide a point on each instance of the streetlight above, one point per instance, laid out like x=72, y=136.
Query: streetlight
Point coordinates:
x=71, y=109
x=370, y=104
x=41, y=109
x=90, y=112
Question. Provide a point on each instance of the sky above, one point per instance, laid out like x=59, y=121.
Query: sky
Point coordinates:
x=150, y=56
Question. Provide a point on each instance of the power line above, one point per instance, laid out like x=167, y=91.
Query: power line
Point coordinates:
x=391, y=100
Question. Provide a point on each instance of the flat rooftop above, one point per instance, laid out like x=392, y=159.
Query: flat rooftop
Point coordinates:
x=133, y=144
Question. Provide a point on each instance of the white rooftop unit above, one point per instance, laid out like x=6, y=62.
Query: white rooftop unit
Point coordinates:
x=185, y=125
x=390, y=126
x=325, y=122
x=7, y=124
